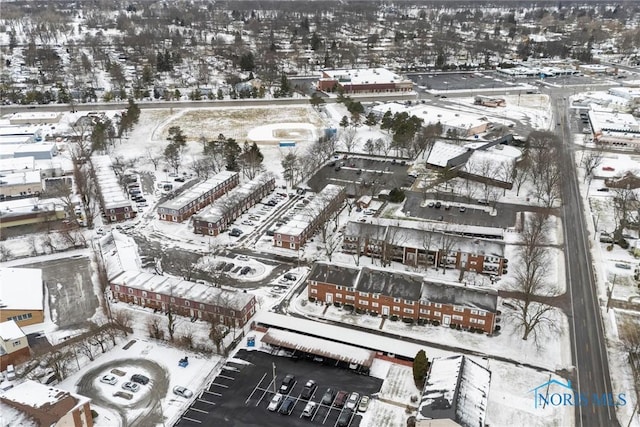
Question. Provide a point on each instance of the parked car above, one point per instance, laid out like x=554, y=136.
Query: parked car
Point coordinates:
x=438, y=205
x=243, y=258
x=11, y=373
x=287, y=383
x=228, y=267
x=182, y=392
x=364, y=404
x=345, y=416
x=275, y=402
x=236, y=232
x=180, y=179
x=341, y=399
x=310, y=409
x=287, y=406
x=352, y=401
x=431, y=204
x=109, y=379
x=462, y=209
x=283, y=281
x=308, y=390
x=140, y=379
x=290, y=276
x=327, y=397
x=605, y=189
x=245, y=270
x=133, y=387
x=123, y=394
x=270, y=232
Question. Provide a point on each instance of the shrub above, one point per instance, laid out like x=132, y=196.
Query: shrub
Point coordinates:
x=337, y=304
x=435, y=322
x=94, y=414
x=394, y=317
x=452, y=326
x=420, y=322
x=312, y=299
x=348, y=307
x=623, y=243
x=407, y=320
x=396, y=195
x=373, y=313
x=497, y=328
x=359, y=311
x=458, y=327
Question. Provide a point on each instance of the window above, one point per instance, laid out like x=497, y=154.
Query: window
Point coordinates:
x=408, y=310
x=350, y=298
x=338, y=295
x=473, y=320
x=407, y=302
x=130, y=290
x=474, y=311
x=375, y=296
x=16, y=343
x=396, y=300
x=314, y=291
x=438, y=305
x=480, y=322
x=187, y=303
x=456, y=317
x=144, y=294
x=159, y=297
x=339, y=288
x=482, y=313
x=436, y=313
x=374, y=304
x=363, y=294
x=425, y=311
x=117, y=288
x=173, y=299
x=458, y=309
x=363, y=302
x=396, y=308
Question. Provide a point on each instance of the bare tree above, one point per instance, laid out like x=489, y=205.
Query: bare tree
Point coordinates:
x=86, y=347
x=123, y=318
x=427, y=244
x=521, y=174
x=447, y=241
x=171, y=322
x=348, y=136
x=154, y=328
x=591, y=160
x=5, y=253
x=625, y=201
x=58, y=362
x=154, y=158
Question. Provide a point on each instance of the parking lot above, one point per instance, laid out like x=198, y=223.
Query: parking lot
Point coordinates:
x=240, y=395
x=362, y=176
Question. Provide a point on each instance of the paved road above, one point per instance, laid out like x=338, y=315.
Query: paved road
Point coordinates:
x=589, y=350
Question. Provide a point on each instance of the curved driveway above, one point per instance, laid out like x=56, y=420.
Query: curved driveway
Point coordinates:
x=159, y=387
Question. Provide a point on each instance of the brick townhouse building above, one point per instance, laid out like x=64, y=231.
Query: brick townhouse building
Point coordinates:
x=225, y=210
x=114, y=202
x=415, y=247
x=405, y=295
x=203, y=194
x=185, y=298
x=295, y=233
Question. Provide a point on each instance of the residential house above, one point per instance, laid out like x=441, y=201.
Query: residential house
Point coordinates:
x=14, y=347
x=21, y=295
x=225, y=210
x=197, y=197
x=295, y=233
x=404, y=296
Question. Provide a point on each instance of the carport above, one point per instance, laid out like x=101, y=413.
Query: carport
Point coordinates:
x=308, y=345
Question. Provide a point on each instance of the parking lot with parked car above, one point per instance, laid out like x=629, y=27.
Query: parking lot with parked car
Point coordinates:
x=243, y=394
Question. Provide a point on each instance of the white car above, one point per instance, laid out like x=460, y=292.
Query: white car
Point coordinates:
x=246, y=222
x=309, y=409
x=243, y=258
x=352, y=401
x=182, y=391
x=130, y=386
x=109, y=379
x=100, y=231
x=276, y=400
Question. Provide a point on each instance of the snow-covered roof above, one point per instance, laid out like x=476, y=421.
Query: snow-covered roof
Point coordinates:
x=176, y=287
x=119, y=253
x=319, y=346
x=10, y=330
x=442, y=152
x=35, y=117
x=22, y=150
x=318, y=205
x=19, y=207
x=475, y=231
x=20, y=130
x=332, y=273
x=361, y=76
x=197, y=191
x=21, y=163
x=112, y=193
x=459, y=295
x=21, y=288
x=20, y=178
x=457, y=388
x=606, y=120
x=14, y=417
x=490, y=164
x=390, y=283
x=15, y=139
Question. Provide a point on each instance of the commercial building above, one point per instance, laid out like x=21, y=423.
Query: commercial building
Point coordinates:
x=421, y=247
x=115, y=203
x=613, y=128
x=39, y=151
x=295, y=233
x=14, y=346
x=30, y=210
x=20, y=184
x=21, y=295
x=405, y=296
x=456, y=393
x=195, y=300
x=226, y=209
x=48, y=406
x=197, y=197
x=32, y=118
x=366, y=80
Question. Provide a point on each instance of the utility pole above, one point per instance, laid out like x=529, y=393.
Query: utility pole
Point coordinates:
x=613, y=285
x=274, y=376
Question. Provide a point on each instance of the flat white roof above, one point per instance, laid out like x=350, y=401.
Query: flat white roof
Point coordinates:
x=21, y=288
x=38, y=115
x=20, y=130
x=360, y=76
x=442, y=152
x=18, y=178
x=9, y=207
x=300, y=222
x=110, y=189
x=621, y=122
x=10, y=330
x=197, y=191
x=15, y=139
x=19, y=163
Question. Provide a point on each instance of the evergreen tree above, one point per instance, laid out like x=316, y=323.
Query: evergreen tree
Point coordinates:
x=420, y=368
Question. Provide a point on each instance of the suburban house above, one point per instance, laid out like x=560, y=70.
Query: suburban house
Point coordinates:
x=46, y=406
x=406, y=296
x=197, y=197
x=14, y=347
x=413, y=246
x=115, y=203
x=455, y=393
x=300, y=227
x=21, y=295
x=195, y=300
x=365, y=80
x=215, y=219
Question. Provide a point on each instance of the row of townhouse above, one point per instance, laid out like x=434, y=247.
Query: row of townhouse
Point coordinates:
x=225, y=210
x=115, y=203
x=415, y=247
x=405, y=295
x=197, y=197
x=295, y=233
x=196, y=300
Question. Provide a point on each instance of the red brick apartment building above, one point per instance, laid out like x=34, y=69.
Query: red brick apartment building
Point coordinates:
x=114, y=202
x=407, y=296
x=225, y=210
x=295, y=233
x=365, y=80
x=197, y=197
x=412, y=246
x=185, y=298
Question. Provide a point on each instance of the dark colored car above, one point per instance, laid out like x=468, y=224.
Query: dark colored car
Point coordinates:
x=180, y=179
x=245, y=270
x=327, y=397
x=308, y=390
x=140, y=379
x=228, y=267
x=287, y=383
x=341, y=399
x=345, y=418
x=236, y=232
x=287, y=406
x=290, y=276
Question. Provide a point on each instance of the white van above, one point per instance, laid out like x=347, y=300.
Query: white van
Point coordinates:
x=11, y=373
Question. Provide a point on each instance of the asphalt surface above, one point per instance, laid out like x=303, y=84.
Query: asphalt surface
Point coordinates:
x=154, y=391
x=589, y=344
x=233, y=400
